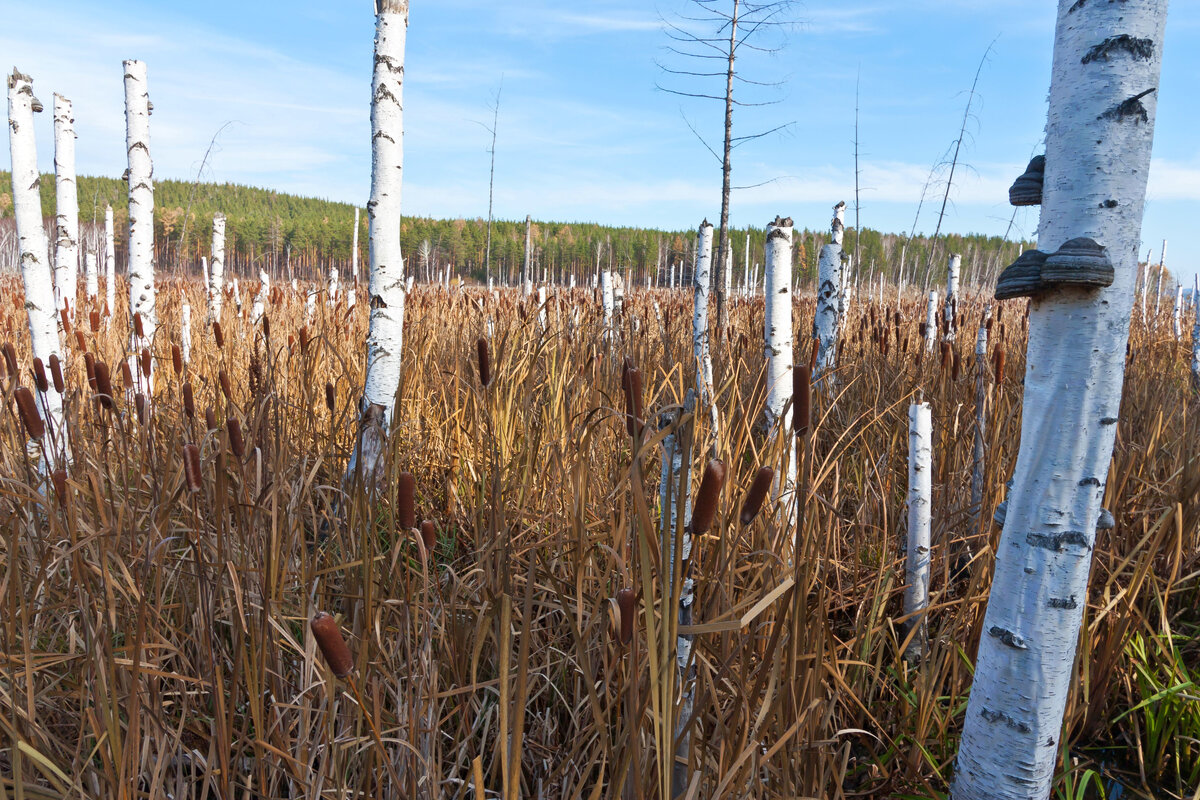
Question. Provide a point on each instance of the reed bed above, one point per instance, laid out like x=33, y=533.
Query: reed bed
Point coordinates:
x=505, y=600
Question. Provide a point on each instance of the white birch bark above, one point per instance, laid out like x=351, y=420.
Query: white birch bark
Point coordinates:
x=1106, y=65
x=141, y=213
x=1196, y=349
x=607, y=301
x=91, y=281
x=36, y=272
x=541, y=295
x=216, y=287
x=334, y=285
x=237, y=297
x=1177, y=318
x=386, y=281
x=204, y=273
x=920, y=502
x=354, y=249
x=110, y=262
x=185, y=332
x=351, y=298
x=829, y=297
x=260, y=299
x=931, y=321
x=66, y=219
x=777, y=333
x=952, y=277
x=700, y=344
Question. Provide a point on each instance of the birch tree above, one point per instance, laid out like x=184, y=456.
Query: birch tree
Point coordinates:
x=920, y=506
x=386, y=283
x=91, y=279
x=1103, y=101
x=141, y=214
x=216, y=270
x=66, y=215
x=36, y=273
x=354, y=250
x=702, y=286
x=110, y=262
x=777, y=335
x=829, y=296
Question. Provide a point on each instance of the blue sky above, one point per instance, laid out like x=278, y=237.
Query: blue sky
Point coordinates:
x=583, y=132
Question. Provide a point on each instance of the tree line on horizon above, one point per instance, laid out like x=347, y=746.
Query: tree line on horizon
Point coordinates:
x=290, y=235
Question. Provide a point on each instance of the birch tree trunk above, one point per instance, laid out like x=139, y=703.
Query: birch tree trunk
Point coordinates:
x=141, y=214
x=354, y=250
x=700, y=340
x=1107, y=60
x=931, y=321
x=90, y=278
x=386, y=283
x=1177, y=314
x=920, y=500
x=778, y=337
x=66, y=219
x=110, y=262
x=216, y=270
x=952, y=277
x=260, y=299
x=829, y=297
x=185, y=332
x=36, y=273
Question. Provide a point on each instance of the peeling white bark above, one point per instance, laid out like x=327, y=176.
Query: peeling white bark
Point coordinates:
x=66, y=220
x=700, y=345
x=260, y=299
x=830, y=283
x=931, y=321
x=1177, y=317
x=777, y=333
x=334, y=285
x=386, y=283
x=920, y=501
x=1107, y=60
x=216, y=287
x=952, y=275
x=141, y=212
x=36, y=273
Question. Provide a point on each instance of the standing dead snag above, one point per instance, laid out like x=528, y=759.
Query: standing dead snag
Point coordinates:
x=1107, y=60
x=110, y=263
x=66, y=219
x=702, y=286
x=141, y=214
x=31, y=239
x=216, y=286
x=777, y=336
x=920, y=502
x=829, y=297
x=386, y=281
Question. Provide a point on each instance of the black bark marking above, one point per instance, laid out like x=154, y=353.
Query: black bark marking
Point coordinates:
x=1068, y=603
x=1093, y=481
x=1009, y=638
x=1140, y=49
x=1055, y=542
x=1108, y=421
x=1130, y=108
x=1000, y=716
x=1109, y=204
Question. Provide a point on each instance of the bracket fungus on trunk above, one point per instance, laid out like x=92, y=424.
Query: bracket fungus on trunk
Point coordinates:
x=1027, y=189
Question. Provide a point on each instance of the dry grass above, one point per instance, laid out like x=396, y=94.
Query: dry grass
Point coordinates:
x=156, y=631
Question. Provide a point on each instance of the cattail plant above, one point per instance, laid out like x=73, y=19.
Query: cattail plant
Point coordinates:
x=406, y=500
x=39, y=376
x=627, y=609
x=28, y=411
x=191, y=467
x=331, y=644
x=485, y=362
x=631, y=383
x=237, y=443
x=763, y=480
x=56, y=373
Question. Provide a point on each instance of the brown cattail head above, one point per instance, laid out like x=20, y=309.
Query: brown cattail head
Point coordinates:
x=485, y=362
x=223, y=379
x=945, y=354
x=189, y=401
x=145, y=363
x=177, y=359
x=329, y=397
x=139, y=402
x=94, y=320
x=758, y=492
x=126, y=375
x=56, y=373
x=333, y=646
x=627, y=607
x=406, y=501
x=65, y=314
x=631, y=382
x=59, y=479
x=27, y=407
x=89, y=366
x=998, y=364
x=812, y=356
x=191, y=466
x=104, y=387
x=210, y=419
x=955, y=366
x=137, y=326
x=39, y=376
x=429, y=535
x=10, y=358
x=304, y=340
x=80, y=341
x=237, y=445
x=801, y=399
x=705, y=510
x=266, y=325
